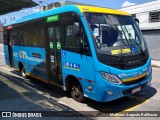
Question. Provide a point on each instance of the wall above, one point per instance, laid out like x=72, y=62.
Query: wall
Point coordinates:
x=152, y=38
x=142, y=13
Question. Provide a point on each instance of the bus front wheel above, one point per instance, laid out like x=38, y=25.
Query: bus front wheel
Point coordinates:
x=76, y=92
x=23, y=72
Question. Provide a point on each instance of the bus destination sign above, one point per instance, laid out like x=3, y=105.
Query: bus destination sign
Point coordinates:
x=52, y=18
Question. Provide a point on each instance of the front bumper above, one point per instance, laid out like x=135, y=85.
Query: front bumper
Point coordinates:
x=122, y=90
x=128, y=90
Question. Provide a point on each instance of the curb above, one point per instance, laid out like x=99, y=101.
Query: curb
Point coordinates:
x=155, y=63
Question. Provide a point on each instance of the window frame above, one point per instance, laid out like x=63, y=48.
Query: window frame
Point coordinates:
x=154, y=16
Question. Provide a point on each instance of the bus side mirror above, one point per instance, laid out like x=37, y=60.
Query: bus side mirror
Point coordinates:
x=76, y=29
x=137, y=20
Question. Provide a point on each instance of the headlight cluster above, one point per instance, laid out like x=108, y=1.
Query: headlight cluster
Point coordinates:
x=111, y=78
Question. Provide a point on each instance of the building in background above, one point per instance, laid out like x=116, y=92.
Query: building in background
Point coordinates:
x=7, y=6
x=59, y=4
x=149, y=17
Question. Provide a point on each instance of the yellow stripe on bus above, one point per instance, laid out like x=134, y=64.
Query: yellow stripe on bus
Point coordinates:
x=101, y=10
x=134, y=78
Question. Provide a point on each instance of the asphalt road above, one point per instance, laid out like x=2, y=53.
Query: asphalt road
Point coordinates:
x=17, y=94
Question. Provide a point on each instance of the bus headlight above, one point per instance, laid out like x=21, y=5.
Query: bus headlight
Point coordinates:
x=111, y=78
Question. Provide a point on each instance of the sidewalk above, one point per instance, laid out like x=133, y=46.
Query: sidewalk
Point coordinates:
x=155, y=63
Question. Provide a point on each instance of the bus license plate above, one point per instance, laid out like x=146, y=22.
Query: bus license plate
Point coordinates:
x=136, y=89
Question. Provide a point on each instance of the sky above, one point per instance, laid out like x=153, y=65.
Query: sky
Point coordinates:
x=116, y=4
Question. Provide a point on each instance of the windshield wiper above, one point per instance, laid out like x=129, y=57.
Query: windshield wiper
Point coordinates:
x=129, y=34
x=122, y=32
x=120, y=57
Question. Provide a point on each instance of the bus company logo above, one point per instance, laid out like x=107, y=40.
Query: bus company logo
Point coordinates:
x=145, y=69
x=128, y=75
x=22, y=54
x=138, y=75
x=121, y=75
x=134, y=62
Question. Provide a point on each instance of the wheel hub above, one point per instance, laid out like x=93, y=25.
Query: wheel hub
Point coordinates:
x=76, y=91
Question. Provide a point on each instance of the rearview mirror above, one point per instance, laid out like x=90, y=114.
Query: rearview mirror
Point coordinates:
x=137, y=20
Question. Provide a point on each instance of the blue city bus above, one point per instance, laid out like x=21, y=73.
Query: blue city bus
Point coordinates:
x=92, y=52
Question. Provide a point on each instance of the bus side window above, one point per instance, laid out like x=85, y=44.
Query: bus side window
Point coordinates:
x=25, y=36
x=20, y=38
x=73, y=42
x=5, y=38
x=13, y=38
x=87, y=50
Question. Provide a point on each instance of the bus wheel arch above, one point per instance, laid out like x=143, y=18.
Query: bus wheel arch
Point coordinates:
x=75, y=88
x=22, y=70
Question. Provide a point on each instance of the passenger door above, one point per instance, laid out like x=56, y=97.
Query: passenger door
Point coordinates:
x=53, y=48
x=8, y=48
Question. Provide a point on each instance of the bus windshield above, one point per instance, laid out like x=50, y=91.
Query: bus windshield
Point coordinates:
x=115, y=34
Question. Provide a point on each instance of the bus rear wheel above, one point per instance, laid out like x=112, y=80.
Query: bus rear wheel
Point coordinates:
x=76, y=92
x=23, y=72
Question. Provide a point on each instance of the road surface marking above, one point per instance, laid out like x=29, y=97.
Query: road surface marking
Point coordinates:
x=62, y=103
x=143, y=100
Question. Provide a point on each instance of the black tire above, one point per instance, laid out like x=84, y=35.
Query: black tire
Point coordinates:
x=23, y=72
x=77, y=92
